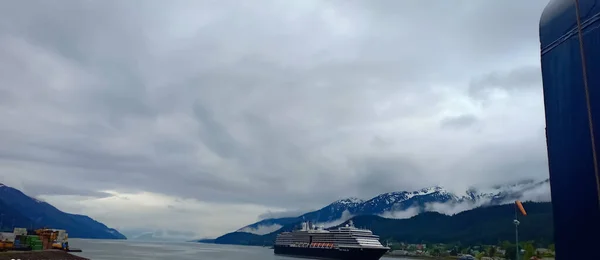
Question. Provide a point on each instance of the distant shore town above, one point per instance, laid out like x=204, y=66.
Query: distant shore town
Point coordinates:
x=506, y=250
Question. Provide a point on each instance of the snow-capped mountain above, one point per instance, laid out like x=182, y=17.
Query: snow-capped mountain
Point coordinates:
x=428, y=199
x=337, y=210
x=395, y=201
x=349, y=201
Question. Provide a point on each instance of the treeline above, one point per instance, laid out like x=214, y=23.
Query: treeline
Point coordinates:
x=505, y=249
x=484, y=225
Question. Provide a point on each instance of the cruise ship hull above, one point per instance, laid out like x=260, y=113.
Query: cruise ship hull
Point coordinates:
x=332, y=253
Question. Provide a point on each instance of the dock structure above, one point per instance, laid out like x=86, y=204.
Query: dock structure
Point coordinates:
x=39, y=255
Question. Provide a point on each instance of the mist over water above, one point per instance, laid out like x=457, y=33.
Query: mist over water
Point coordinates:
x=134, y=250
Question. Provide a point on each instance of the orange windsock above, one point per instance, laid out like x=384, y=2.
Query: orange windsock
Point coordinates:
x=520, y=206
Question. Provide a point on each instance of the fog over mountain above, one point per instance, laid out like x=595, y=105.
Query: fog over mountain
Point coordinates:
x=406, y=204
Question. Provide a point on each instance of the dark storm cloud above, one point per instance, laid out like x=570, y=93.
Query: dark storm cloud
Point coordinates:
x=256, y=103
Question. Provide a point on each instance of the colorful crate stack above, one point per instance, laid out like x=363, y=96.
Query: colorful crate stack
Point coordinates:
x=46, y=242
x=34, y=242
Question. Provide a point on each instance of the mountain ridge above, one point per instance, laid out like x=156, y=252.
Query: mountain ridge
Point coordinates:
x=408, y=203
x=33, y=213
x=485, y=224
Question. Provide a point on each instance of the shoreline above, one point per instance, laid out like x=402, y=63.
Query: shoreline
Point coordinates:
x=51, y=254
x=420, y=257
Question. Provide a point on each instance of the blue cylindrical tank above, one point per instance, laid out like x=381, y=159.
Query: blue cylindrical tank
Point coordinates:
x=573, y=180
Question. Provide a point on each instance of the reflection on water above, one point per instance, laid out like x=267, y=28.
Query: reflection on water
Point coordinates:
x=124, y=249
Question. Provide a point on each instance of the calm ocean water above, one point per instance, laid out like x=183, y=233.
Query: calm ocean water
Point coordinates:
x=130, y=250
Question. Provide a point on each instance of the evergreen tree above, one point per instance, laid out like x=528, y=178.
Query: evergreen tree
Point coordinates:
x=529, y=249
x=511, y=252
x=505, y=245
x=492, y=251
x=480, y=255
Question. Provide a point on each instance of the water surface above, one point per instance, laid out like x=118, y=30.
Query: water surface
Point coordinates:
x=136, y=250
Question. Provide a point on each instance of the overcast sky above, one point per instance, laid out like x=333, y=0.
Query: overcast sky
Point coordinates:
x=204, y=115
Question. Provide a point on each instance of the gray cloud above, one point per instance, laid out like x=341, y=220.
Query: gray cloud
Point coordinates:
x=393, y=169
x=35, y=189
x=523, y=77
x=285, y=105
x=284, y=214
x=461, y=121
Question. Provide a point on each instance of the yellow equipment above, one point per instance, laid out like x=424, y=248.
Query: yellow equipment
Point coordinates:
x=6, y=245
x=56, y=245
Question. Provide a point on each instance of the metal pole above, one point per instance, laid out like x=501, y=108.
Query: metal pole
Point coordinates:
x=517, y=231
x=517, y=236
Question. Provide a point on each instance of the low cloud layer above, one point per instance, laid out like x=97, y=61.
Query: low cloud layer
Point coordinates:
x=284, y=214
x=454, y=208
x=237, y=110
x=346, y=215
x=537, y=193
x=402, y=214
x=261, y=229
x=170, y=216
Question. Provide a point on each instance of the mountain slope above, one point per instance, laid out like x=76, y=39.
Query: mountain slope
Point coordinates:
x=245, y=238
x=42, y=214
x=420, y=200
x=11, y=217
x=487, y=225
x=266, y=226
x=334, y=211
x=341, y=209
